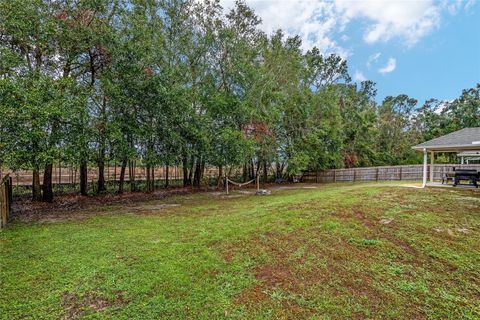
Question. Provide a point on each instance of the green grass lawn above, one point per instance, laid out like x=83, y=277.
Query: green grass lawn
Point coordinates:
x=333, y=252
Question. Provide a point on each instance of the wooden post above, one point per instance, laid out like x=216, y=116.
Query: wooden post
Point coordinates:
x=401, y=173
x=425, y=164
x=354, y=174
x=432, y=166
x=10, y=193
x=258, y=182
x=5, y=200
x=2, y=208
x=226, y=182
x=334, y=175
x=376, y=175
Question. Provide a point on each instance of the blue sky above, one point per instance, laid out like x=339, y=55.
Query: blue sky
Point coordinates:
x=439, y=65
x=425, y=49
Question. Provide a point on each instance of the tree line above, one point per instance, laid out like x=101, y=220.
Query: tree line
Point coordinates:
x=181, y=82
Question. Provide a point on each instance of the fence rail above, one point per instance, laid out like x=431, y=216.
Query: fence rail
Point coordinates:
x=5, y=200
x=385, y=173
x=70, y=175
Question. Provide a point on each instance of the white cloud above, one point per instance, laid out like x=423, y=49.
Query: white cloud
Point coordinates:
x=407, y=20
x=358, y=76
x=454, y=6
x=391, y=65
x=314, y=21
x=441, y=106
x=373, y=59
x=321, y=22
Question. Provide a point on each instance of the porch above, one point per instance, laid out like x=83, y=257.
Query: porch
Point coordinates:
x=464, y=140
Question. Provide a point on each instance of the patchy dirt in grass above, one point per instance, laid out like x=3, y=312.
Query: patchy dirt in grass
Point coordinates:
x=76, y=306
x=151, y=208
x=330, y=263
x=303, y=186
x=386, y=221
x=79, y=207
x=74, y=206
x=292, y=274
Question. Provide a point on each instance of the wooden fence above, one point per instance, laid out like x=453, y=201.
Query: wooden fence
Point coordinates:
x=386, y=173
x=70, y=175
x=5, y=200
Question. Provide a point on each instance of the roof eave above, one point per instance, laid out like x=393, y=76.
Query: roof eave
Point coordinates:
x=458, y=148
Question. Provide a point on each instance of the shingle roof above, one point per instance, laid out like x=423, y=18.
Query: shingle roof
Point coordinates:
x=464, y=139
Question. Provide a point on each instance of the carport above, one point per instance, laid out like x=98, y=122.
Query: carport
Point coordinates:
x=463, y=140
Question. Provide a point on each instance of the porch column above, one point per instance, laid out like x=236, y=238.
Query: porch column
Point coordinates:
x=432, y=158
x=425, y=162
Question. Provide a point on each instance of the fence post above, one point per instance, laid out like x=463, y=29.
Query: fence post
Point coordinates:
x=10, y=193
x=401, y=173
x=354, y=174
x=376, y=175
x=4, y=204
x=334, y=175
x=226, y=182
x=5, y=200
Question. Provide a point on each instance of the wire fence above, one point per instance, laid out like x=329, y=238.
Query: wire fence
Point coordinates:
x=70, y=175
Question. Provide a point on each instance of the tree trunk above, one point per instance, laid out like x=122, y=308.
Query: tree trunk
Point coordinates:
x=101, y=177
x=149, y=180
x=83, y=178
x=220, y=177
x=101, y=169
x=279, y=172
x=101, y=152
x=47, y=183
x=202, y=168
x=245, y=173
x=36, y=189
x=265, y=172
x=185, y=170
x=131, y=172
x=122, y=176
x=190, y=173
x=197, y=176
x=153, y=178
x=166, y=176
x=252, y=170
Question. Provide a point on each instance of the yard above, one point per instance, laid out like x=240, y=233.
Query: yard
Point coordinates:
x=315, y=252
